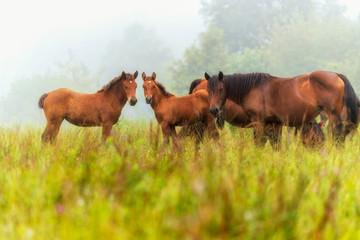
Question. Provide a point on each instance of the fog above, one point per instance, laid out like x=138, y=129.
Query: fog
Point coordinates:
x=94, y=36
x=37, y=34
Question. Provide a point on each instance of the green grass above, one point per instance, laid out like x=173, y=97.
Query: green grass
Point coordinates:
x=133, y=187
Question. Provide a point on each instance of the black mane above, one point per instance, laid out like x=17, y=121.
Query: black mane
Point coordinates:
x=194, y=84
x=163, y=90
x=238, y=85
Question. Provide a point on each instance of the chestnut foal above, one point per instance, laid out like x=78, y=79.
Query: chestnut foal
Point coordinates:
x=102, y=108
x=171, y=111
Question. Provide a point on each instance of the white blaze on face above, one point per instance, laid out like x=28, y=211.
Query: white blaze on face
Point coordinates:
x=149, y=82
x=130, y=81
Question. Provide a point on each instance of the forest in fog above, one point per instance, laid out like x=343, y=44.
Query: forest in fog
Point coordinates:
x=280, y=37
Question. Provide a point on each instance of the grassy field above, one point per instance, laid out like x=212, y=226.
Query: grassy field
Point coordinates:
x=132, y=187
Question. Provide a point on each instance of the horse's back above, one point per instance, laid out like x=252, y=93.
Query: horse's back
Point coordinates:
x=201, y=86
x=57, y=97
x=64, y=100
x=328, y=89
x=326, y=80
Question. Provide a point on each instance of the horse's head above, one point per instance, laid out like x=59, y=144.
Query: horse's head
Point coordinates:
x=130, y=86
x=217, y=93
x=149, y=86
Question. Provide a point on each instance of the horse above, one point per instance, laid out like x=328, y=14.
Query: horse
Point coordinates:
x=171, y=111
x=271, y=102
x=231, y=113
x=235, y=115
x=102, y=108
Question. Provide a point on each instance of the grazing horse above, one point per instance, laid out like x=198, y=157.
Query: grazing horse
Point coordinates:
x=171, y=111
x=232, y=112
x=102, y=108
x=271, y=102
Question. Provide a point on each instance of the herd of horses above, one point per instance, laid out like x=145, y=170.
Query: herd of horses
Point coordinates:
x=257, y=100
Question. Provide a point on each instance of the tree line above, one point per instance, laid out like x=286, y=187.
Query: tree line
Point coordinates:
x=280, y=37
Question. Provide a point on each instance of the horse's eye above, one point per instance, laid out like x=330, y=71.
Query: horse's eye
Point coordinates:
x=153, y=87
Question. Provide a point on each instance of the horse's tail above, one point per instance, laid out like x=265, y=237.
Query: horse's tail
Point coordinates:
x=194, y=85
x=41, y=100
x=351, y=101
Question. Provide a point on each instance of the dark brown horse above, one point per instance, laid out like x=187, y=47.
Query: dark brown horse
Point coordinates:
x=102, y=108
x=271, y=102
x=232, y=112
x=171, y=111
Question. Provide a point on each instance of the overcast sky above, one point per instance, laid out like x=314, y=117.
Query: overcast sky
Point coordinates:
x=37, y=33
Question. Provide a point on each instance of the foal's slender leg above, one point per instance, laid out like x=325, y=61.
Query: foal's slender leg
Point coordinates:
x=166, y=132
x=51, y=130
x=174, y=136
x=106, y=130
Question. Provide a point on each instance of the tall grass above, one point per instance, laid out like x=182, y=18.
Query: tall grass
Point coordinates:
x=134, y=187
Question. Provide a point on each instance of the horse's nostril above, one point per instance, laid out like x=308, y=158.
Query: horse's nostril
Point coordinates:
x=214, y=111
x=133, y=102
x=148, y=100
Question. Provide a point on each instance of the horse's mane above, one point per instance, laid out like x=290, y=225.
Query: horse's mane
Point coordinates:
x=238, y=85
x=194, y=84
x=113, y=82
x=163, y=90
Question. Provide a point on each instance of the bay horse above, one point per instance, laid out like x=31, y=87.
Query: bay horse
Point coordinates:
x=271, y=102
x=171, y=111
x=102, y=108
x=235, y=115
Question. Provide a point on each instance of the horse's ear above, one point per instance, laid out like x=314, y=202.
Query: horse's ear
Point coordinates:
x=135, y=74
x=143, y=75
x=123, y=75
x=153, y=76
x=221, y=76
x=207, y=77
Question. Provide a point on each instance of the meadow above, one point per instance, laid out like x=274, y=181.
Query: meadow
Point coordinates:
x=134, y=187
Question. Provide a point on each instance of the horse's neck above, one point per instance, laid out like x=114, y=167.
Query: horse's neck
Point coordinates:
x=118, y=93
x=157, y=99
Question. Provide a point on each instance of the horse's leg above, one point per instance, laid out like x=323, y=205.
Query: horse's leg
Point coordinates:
x=259, y=137
x=174, y=136
x=106, y=130
x=312, y=134
x=274, y=132
x=166, y=132
x=184, y=131
x=337, y=127
x=51, y=130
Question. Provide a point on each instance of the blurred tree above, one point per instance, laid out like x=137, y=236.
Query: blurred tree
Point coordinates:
x=308, y=44
x=317, y=37
x=21, y=101
x=208, y=54
x=138, y=49
x=248, y=23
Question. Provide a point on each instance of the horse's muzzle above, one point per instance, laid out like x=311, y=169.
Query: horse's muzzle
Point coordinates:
x=215, y=111
x=133, y=102
x=148, y=100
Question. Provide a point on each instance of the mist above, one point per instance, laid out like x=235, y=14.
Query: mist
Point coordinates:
x=82, y=45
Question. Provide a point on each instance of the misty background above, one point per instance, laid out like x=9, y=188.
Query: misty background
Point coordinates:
x=82, y=45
